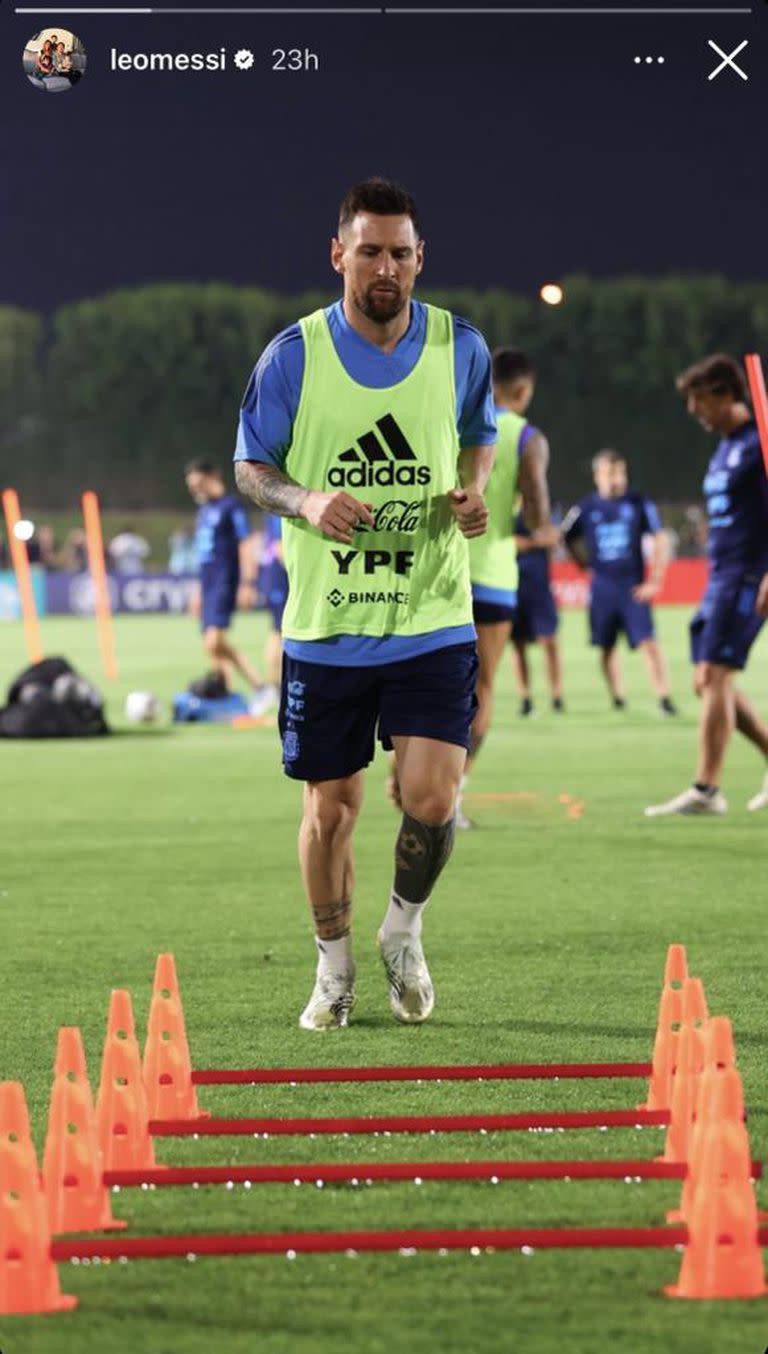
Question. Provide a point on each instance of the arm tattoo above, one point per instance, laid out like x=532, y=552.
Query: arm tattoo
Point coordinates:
x=270, y=488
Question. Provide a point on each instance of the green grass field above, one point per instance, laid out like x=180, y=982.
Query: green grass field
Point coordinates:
x=546, y=940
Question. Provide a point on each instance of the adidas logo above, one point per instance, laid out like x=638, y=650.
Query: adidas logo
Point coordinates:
x=387, y=459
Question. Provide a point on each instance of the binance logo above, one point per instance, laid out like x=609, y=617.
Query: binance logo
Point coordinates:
x=335, y=597
x=384, y=457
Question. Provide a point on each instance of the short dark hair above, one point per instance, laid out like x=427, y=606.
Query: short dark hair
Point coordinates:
x=721, y=374
x=509, y=364
x=609, y=455
x=199, y=465
x=381, y=197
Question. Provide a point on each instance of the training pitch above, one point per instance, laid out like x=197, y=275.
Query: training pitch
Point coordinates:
x=546, y=940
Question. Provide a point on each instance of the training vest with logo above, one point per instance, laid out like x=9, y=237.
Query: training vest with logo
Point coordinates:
x=493, y=557
x=396, y=449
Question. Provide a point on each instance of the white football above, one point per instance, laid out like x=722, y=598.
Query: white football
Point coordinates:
x=142, y=707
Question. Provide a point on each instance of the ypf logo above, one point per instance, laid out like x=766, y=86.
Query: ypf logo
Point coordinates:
x=384, y=460
x=335, y=597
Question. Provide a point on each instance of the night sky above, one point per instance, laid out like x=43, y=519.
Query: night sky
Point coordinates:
x=535, y=146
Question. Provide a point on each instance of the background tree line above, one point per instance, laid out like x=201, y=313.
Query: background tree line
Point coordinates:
x=117, y=393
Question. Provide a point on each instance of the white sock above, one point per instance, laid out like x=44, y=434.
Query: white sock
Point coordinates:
x=335, y=956
x=460, y=794
x=402, y=918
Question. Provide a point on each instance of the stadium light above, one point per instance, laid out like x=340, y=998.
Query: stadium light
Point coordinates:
x=24, y=530
x=552, y=294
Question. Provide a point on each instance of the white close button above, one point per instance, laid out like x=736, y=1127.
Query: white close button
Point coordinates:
x=728, y=60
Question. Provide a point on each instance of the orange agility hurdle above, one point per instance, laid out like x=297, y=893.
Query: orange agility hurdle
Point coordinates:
x=20, y=561
x=98, y=571
x=759, y=399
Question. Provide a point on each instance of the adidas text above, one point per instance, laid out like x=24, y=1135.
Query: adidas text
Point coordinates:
x=385, y=475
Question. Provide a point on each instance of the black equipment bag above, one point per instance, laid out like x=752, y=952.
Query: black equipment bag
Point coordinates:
x=51, y=700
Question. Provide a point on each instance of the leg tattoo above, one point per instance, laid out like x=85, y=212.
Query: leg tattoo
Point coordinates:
x=332, y=920
x=421, y=851
x=475, y=744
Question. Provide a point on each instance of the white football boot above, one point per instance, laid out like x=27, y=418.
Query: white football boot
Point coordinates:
x=263, y=700
x=333, y=997
x=411, y=994
x=760, y=800
x=691, y=802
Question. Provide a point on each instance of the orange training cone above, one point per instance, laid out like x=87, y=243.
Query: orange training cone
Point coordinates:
x=719, y=1099
x=73, y=1174
x=669, y=1018
x=664, y=1050
x=719, y=1048
x=29, y=1280
x=684, y=1093
x=121, y=1105
x=14, y=1119
x=723, y=1258
x=167, y=1064
x=676, y=966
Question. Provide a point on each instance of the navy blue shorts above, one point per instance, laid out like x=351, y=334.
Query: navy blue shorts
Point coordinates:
x=491, y=613
x=218, y=602
x=726, y=624
x=613, y=611
x=330, y=716
x=276, y=593
x=535, y=615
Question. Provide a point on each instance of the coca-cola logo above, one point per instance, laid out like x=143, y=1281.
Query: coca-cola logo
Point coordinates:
x=398, y=514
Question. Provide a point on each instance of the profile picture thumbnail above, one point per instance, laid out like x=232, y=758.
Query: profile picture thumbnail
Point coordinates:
x=54, y=60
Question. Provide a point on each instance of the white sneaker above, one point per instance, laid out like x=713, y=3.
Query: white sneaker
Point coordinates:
x=760, y=800
x=262, y=701
x=463, y=823
x=333, y=997
x=691, y=802
x=411, y=994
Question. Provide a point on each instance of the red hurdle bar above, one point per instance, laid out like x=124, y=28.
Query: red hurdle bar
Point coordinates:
x=365, y=1171
x=261, y=1076
x=280, y=1243
x=409, y=1123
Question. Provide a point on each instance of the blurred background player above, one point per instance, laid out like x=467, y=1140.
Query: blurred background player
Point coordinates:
x=520, y=470
x=735, y=603
x=226, y=568
x=605, y=533
x=273, y=585
x=536, y=619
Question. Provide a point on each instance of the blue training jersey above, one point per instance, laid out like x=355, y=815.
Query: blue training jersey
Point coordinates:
x=220, y=527
x=265, y=431
x=612, y=530
x=736, y=492
x=273, y=573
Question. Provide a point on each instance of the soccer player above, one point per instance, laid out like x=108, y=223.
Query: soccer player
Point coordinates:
x=274, y=588
x=226, y=567
x=735, y=603
x=605, y=534
x=536, y=620
x=369, y=427
x=520, y=470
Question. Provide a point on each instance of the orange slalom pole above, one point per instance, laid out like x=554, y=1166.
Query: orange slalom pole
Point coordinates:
x=20, y=561
x=759, y=400
x=98, y=571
